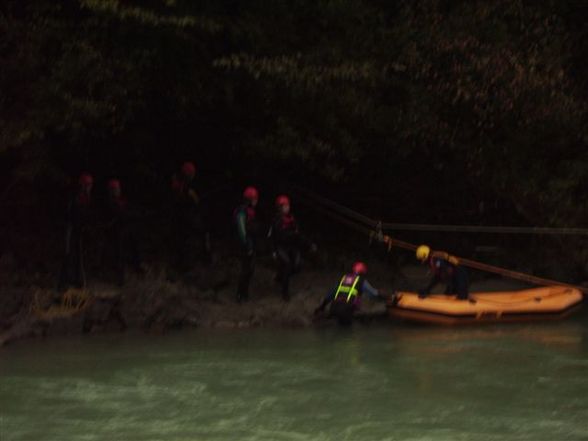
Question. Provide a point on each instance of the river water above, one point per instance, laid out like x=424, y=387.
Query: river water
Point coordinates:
x=380, y=382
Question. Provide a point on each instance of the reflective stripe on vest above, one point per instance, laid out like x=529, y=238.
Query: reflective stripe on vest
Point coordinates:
x=349, y=290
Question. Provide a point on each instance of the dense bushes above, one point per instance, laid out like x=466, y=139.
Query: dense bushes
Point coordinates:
x=429, y=103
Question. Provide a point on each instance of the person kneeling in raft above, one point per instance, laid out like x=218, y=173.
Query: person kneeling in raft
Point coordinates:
x=345, y=299
x=445, y=269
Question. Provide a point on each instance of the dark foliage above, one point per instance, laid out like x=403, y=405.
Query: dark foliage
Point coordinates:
x=428, y=109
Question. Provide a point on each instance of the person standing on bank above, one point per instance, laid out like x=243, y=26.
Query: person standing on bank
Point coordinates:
x=121, y=237
x=247, y=229
x=190, y=223
x=288, y=243
x=77, y=216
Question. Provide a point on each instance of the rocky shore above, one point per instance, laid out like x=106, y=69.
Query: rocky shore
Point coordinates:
x=203, y=298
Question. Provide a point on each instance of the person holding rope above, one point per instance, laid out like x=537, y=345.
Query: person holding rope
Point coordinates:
x=345, y=299
x=288, y=243
x=446, y=269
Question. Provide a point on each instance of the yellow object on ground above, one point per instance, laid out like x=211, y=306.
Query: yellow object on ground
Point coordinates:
x=550, y=302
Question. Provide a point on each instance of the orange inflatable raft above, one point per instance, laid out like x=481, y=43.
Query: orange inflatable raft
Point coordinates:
x=550, y=302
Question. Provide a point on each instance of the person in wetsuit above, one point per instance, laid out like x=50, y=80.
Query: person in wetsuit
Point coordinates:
x=189, y=221
x=446, y=269
x=345, y=299
x=121, y=236
x=288, y=243
x=77, y=217
x=244, y=218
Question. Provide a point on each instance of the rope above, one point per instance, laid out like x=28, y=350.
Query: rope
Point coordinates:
x=341, y=219
x=441, y=228
x=375, y=233
x=336, y=207
x=517, y=275
x=487, y=229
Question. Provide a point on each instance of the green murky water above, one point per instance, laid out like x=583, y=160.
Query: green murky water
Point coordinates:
x=383, y=382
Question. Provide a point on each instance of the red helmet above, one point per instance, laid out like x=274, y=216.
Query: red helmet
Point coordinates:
x=359, y=268
x=86, y=179
x=282, y=200
x=251, y=193
x=188, y=169
x=114, y=184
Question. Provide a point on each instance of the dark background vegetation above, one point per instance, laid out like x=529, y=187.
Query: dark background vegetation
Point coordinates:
x=425, y=111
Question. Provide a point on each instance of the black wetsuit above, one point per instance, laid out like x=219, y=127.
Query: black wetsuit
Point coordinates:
x=288, y=243
x=247, y=229
x=77, y=215
x=121, y=237
x=189, y=225
x=345, y=299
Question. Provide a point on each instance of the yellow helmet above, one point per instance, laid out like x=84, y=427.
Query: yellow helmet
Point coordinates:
x=422, y=252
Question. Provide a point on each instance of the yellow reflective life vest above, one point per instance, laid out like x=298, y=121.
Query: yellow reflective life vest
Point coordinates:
x=347, y=287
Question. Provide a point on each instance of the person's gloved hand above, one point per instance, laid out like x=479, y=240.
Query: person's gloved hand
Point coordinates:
x=394, y=298
x=313, y=248
x=275, y=255
x=422, y=293
x=250, y=252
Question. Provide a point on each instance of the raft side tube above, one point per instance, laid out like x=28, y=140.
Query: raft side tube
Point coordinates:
x=545, y=303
